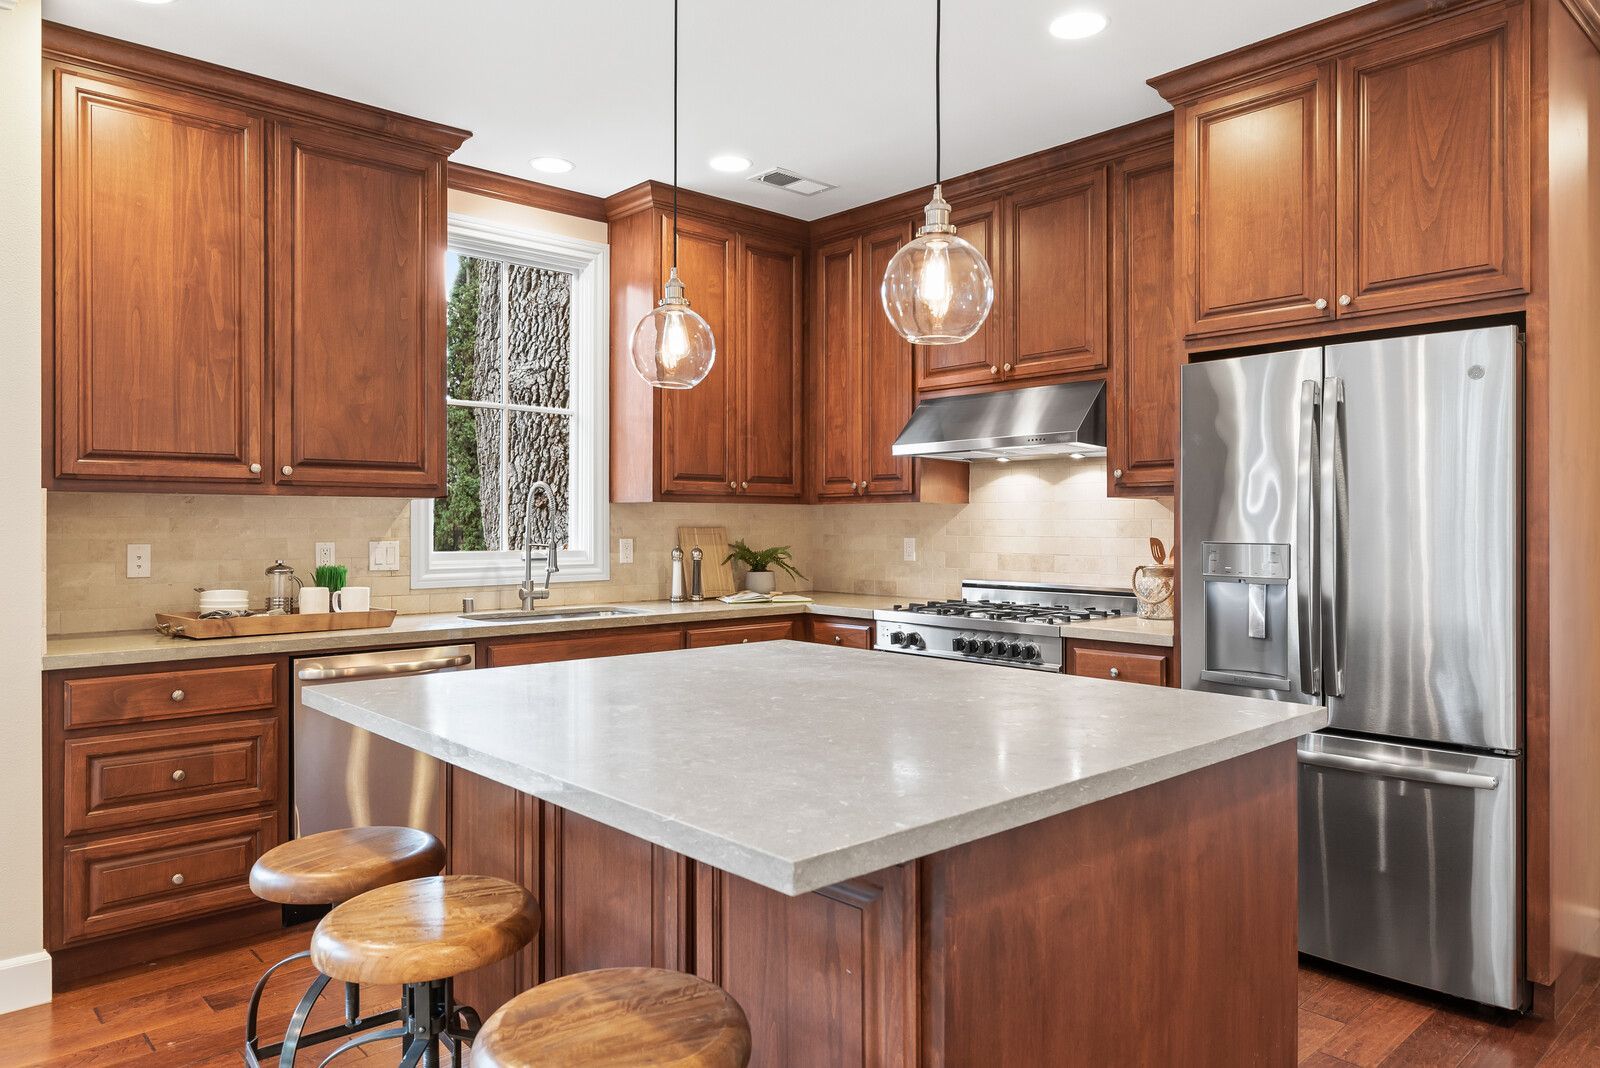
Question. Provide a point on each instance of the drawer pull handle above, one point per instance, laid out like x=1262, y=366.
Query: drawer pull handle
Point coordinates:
x=838, y=639
x=177, y=879
x=744, y=641
x=179, y=775
x=177, y=695
x=1116, y=673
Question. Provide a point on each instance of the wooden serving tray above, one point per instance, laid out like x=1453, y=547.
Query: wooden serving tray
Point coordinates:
x=189, y=625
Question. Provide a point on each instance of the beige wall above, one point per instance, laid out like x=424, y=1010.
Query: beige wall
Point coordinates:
x=24, y=968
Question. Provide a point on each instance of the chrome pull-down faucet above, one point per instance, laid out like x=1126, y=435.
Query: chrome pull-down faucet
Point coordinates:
x=554, y=533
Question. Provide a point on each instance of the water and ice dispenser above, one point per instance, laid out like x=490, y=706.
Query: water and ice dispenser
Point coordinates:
x=1247, y=614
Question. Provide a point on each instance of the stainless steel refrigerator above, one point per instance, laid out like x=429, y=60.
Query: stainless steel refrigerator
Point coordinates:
x=1349, y=528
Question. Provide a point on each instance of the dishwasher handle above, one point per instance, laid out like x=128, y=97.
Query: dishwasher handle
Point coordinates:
x=378, y=671
x=1413, y=772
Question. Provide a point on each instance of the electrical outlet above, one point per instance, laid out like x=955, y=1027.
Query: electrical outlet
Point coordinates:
x=138, y=561
x=624, y=550
x=324, y=553
x=383, y=556
x=910, y=550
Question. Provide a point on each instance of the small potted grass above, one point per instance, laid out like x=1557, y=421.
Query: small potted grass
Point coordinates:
x=760, y=563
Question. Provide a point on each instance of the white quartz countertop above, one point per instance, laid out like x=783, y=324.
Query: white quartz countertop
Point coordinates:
x=1129, y=629
x=796, y=765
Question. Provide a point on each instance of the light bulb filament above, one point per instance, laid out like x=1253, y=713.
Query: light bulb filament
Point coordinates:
x=674, y=341
x=935, y=287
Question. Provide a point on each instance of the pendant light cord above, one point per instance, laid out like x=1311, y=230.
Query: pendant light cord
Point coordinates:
x=938, y=119
x=674, y=134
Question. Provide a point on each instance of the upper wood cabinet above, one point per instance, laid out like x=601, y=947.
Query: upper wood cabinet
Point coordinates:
x=1146, y=339
x=1383, y=175
x=1056, y=276
x=740, y=433
x=358, y=312
x=977, y=360
x=159, y=265
x=248, y=288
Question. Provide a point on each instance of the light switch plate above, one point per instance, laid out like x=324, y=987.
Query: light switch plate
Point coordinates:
x=324, y=553
x=383, y=556
x=910, y=550
x=138, y=561
x=624, y=550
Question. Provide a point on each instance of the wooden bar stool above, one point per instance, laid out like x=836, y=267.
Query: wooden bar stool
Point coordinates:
x=326, y=869
x=617, y=1018
x=420, y=935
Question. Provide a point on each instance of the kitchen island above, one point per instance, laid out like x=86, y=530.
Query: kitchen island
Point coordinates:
x=887, y=860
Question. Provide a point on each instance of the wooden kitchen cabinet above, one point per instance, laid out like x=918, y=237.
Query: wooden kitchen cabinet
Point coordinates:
x=976, y=361
x=766, y=630
x=1150, y=665
x=1382, y=178
x=1146, y=338
x=1056, y=273
x=740, y=433
x=548, y=649
x=246, y=297
x=836, y=630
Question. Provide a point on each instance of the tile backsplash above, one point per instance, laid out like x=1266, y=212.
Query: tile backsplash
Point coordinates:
x=1042, y=521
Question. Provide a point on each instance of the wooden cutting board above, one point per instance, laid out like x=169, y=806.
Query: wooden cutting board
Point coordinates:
x=716, y=576
x=188, y=625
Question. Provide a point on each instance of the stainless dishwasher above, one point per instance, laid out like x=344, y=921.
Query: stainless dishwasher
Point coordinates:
x=347, y=777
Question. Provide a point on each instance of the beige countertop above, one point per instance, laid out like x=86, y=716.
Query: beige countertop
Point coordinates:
x=796, y=765
x=147, y=647
x=1128, y=629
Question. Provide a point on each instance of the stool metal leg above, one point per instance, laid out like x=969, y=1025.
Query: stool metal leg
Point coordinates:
x=253, y=1051
x=297, y=1022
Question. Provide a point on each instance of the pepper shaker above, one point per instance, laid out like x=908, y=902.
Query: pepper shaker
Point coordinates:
x=677, y=575
x=696, y=592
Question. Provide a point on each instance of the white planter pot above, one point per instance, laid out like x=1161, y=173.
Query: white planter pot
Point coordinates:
x=760, y=581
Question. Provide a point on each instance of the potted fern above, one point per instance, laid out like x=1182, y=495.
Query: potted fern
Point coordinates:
x=760, y=563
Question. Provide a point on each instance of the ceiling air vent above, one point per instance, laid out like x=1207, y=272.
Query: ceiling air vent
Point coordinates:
x=783, y=178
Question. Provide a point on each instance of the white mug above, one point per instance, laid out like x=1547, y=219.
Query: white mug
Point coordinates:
x=353, y=599
x=313, y=599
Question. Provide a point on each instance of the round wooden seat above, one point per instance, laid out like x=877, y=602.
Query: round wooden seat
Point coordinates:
x=334, y=866
x=622, y=1017
x=425, y=929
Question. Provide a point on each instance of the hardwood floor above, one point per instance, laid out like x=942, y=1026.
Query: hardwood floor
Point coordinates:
x=188, y=1013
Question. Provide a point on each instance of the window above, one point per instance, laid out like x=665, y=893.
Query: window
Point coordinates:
x=525, y=383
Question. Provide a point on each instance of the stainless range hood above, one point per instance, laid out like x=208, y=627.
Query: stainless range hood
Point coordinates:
x=1012, y=424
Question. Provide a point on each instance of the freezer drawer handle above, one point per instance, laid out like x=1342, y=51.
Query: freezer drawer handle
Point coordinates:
x=1414, y=772
x=373, y=671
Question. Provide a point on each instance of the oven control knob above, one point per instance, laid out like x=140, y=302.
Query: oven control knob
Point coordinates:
x=959, y=644
x=897, y=638
x=986, y=647
x=1014, y=650
x=1030, y=652
x=914, y=641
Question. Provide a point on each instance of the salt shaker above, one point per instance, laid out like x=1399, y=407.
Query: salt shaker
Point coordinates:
x=696, y=592
x=677, y=574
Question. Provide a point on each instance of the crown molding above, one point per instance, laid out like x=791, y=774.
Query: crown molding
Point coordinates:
x=522, y=191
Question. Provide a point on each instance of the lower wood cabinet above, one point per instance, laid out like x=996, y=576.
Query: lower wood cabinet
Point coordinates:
x=837, y=630
x=1150, y=665
x=549, y=649
x=767, y=630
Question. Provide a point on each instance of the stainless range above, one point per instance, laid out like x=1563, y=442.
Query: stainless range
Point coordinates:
x=1017, y=624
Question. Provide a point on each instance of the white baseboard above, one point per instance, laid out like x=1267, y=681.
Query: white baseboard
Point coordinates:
x=24, y=981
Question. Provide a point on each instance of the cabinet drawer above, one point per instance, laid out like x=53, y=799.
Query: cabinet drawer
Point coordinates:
x=851, y=633
x=770, y=630
x=584, y=646
x=115, y=781
x=169, y=694
x=1115, y=662
x=144, y=880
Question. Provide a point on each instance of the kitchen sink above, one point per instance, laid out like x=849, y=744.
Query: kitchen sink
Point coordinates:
x=517, y=615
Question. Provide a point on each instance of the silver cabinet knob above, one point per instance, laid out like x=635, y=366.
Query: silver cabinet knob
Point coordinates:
x=838, y=639
x=179, y=775
x=1117, y=473
x=1322, y=302
x=733, y=485
x=177, y=879
x=1116, y=673
x=744, y=641
x=1344, y=300
x=743, y=486
x=1005, y=366
x=993, y=369
x=287, y=469
x=177, y=695
x=255, y=469
x=852, y=487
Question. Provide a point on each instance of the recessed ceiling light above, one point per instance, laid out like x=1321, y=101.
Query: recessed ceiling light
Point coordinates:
x=729, y=164
x=551, y=164
x=1076, y=25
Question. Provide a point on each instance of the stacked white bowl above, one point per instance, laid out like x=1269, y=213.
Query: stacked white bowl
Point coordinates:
x=224, y=601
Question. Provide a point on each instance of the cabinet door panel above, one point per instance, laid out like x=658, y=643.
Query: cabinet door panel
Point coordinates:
x=495, y=831
x=1258, y=199
x=836, y=373
x=768, y=630
x=1142, y=421
x=1057, y=259
x=887, y=374
x=358, y=340
x=548, y=650
x=1433, y=165
x=698, y=449
x=977, y=360
x=770, y=372
x=160, y=355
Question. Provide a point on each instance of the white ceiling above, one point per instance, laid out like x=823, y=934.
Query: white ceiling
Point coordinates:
x=838, y=90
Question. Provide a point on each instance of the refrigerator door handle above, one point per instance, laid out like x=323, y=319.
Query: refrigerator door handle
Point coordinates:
x=1335, y=538
x=1388, y=769
x=1308, y=470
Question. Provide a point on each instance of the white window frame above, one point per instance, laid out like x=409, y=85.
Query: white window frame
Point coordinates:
x=588, y=556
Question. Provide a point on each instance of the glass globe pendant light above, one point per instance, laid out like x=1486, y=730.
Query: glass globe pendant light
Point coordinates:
x=937, y=290
x=673, y=347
